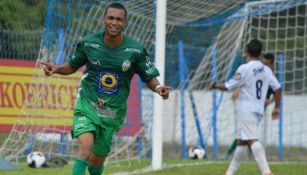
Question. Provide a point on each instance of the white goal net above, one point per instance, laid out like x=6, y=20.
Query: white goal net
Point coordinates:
x=213, y=36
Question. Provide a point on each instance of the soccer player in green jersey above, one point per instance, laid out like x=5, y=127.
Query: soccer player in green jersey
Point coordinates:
x=111, y=60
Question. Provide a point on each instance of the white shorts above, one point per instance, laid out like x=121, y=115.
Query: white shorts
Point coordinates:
x=247, y=129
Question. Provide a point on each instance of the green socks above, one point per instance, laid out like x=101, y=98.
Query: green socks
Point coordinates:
x=79, y=167
x=95, y=171
x=232, y=147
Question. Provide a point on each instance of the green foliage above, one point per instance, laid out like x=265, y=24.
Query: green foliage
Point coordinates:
x=220, y=168
x=21, y=28
x=22, y=14
x=20, y=44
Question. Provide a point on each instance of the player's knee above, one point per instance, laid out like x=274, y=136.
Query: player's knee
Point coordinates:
x=85, y=143
x=96, y=164
x=96, y=161
x=85, y=151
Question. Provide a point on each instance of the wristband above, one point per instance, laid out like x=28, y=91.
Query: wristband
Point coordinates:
x=158, y=86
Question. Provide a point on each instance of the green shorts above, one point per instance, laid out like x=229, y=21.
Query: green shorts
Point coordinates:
x=88, y=119
x=102, y=135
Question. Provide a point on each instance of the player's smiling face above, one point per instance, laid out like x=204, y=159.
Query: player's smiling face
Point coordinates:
x=114, y=21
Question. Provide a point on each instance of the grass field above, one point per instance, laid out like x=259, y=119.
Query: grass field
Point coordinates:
x=175, y=168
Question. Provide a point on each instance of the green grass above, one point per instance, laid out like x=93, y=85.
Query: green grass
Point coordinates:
x=201, y=168
x=245, y=169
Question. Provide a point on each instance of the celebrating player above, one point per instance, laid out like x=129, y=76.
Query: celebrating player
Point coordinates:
x=111, y=60
x=253, y=79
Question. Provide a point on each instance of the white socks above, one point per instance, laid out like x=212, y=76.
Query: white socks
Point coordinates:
x=259, y=155
x=238, y=156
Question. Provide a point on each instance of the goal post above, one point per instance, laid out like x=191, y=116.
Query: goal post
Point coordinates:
x=158, y=102
x=281, y=65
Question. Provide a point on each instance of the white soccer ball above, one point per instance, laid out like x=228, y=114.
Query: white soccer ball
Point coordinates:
x=36, y=159
x=196, y=153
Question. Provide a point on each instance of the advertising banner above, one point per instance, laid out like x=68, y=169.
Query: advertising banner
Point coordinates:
x=53, y=106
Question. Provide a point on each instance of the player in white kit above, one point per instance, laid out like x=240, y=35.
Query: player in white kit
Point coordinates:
x=253, y=79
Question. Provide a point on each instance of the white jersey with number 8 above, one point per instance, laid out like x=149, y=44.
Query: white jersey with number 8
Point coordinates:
x=253, y=79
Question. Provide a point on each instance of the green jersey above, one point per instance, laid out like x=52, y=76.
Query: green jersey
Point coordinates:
x=105, y=84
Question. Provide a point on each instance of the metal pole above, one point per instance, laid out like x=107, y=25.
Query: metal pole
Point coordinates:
x=158, y=103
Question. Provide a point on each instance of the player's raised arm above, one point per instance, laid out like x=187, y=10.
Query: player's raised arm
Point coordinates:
x=62, y=69
x=155, y=86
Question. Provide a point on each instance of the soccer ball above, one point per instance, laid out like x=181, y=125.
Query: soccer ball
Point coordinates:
x=196, y=153
x=36, y=159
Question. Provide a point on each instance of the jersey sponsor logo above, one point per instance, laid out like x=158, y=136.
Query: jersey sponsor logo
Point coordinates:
x=79, y=127
x=82, y=118
x=102, y=102
x=126, y=65
x=108, y=82
x=96, y=62
x=104, y=113
x=149, y=64
x=91, y=45
x=150, y=68
x=237, y=76
x=258, y=70
x=132, y=50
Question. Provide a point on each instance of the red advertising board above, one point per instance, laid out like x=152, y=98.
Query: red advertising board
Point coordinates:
x=19, y=80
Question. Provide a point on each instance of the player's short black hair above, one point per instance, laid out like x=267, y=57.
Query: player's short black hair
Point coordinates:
x=269, y=56
x=254, y=48
x=116, y=5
